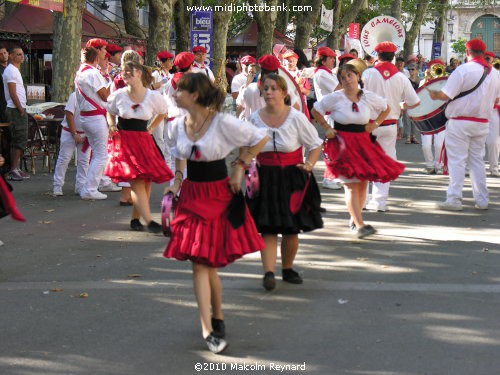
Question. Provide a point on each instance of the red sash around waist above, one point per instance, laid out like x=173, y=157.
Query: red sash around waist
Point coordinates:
x=77, y=131
x=474, y=119
x=281, y=159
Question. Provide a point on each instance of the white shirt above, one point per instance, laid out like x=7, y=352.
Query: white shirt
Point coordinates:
x=90, y=81
x=238, y=81
x=396, y=89
x=11, y=74
x=120, y=104
x=160, y=75
x=324, y=83
x=173, y=109
x=369, y=107
x=225, y=134
x=478, y=103
x=73, y=108
x=201, y=68
x=296, y=131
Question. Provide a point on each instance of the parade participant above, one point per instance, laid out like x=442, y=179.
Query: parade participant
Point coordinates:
x=345, y=58
x=493, y=139
x=282, y=174
x=162, y=75
x=114, y=60
x=467, y=126
x=362, y=160
x=91, y=94
x=199, y=64
x=15, y=95
x=7, y=201
x=212, y=226
x=134, y=156
x=293, y=58
x=250, y=98
x=386, y=81
x=72, y=137
x=326, y=82
x=240, y=79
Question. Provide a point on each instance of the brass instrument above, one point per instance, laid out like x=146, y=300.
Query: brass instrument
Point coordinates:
x=496, y=64
x=114, y=71
x=359, y=64
x=437, y=71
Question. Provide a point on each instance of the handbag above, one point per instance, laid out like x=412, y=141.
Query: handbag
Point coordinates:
x=168, y=207
x=252, y=180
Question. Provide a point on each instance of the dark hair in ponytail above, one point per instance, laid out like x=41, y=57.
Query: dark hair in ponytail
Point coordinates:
x=209, y=96
x=351, y=68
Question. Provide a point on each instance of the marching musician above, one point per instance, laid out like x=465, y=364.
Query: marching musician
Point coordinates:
x=114, y=60
x=162, y=75
x=325, y=82
x=467, y=126
x=388, y=82
x=200, y=54
x=239, y=80
x=293, y=58
x=493, y=139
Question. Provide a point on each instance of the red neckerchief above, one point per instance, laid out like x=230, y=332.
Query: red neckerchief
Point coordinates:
x=386, y=69
x=481, y=61
x=175, y=79
x=322, y=67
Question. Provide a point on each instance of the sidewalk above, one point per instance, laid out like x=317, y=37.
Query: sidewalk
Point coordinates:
x=82, y=295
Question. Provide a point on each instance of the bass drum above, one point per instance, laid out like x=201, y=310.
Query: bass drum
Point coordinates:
x=294, y=91
x=429, y=115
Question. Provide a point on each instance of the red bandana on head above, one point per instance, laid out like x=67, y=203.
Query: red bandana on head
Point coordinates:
x=387, y=69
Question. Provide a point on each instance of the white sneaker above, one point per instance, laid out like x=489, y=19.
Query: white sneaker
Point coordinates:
x=94, y=196
x=376, y=206
x=110, y=188
x=1, y=243
x=331, y=184
x=478, y=206
x=57, y=191
x=450, y=206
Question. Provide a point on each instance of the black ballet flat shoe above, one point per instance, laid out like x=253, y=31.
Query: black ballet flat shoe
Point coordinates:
x=136, y=225
x=269, y=282
x=366, y=231
x=216, y=344
x=219, y=328
x=126, y=203
x=154, y=227
x=291, y=276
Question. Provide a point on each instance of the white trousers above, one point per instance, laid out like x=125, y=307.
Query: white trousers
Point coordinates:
x=432, y=160
x=66, y=150
x=465, y=144
x=96, y=130
x=166, y=149
x=493, y=141
x=386, y=137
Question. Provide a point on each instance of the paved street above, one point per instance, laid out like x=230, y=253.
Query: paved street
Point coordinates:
x=80, y=294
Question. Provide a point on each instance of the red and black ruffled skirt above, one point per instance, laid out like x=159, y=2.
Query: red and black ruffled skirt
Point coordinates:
x=135, y=155
x=360, y=158
x=202, y=230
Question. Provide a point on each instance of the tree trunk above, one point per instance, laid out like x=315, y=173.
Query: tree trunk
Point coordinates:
x=160, y=16
x=67, y=46
x=438, y=36
x=396, y=9
x=282, y=18
x=131, y=18
x=340, y=24
x=266, y=22
x=181, y=20
x=412, y=34
x=221, y=26
x=306, y=22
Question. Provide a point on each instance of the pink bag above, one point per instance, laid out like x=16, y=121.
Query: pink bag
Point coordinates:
x=168, y=206
x=252, y=180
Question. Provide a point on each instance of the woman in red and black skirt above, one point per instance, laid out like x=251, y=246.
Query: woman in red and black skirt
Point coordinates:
x=289, y=199
x=212, y=226
x=361, y=160
x=134, y=156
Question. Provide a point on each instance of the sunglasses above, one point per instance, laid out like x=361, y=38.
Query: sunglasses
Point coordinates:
x=411, y=69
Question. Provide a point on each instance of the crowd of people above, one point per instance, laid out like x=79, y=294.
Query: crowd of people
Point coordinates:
x=132, y=126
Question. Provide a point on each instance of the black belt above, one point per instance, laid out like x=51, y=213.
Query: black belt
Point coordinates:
x=351, y=128
x=132, y=124
x=206, y=171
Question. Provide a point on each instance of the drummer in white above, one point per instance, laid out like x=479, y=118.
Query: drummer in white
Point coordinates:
x=388, y=82
x=467, y=126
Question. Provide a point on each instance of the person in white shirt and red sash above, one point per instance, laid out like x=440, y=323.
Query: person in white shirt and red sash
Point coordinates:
x=493, y=139
x=467, y=126
x=388, y=82
x=91, y=94
x=239, y=80
x=325, y=82
x=200, y=54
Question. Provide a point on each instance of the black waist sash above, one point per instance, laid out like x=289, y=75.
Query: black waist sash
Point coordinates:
x=132, y=124
x=205, y=171
x=352, y=128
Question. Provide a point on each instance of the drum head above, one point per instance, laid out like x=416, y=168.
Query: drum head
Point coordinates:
x=427, y=106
